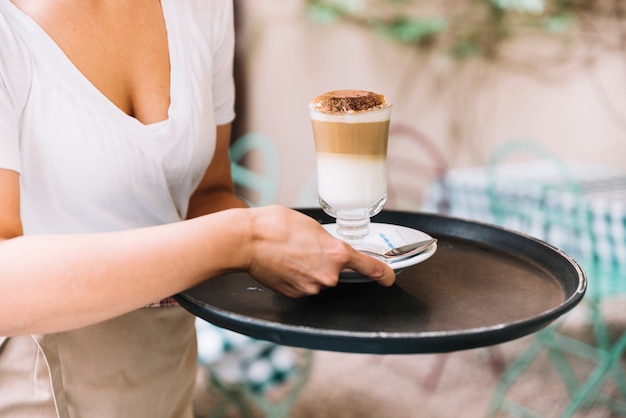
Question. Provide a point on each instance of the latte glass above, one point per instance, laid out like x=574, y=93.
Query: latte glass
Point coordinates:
x=351, y=130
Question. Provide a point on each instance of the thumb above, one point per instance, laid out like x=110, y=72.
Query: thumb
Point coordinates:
x=373, y=268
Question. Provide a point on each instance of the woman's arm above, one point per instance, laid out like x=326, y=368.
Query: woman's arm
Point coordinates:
x=58, y=282
x=216, y=191
x=52, y=283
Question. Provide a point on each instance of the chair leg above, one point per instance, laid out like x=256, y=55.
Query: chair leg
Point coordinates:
x=434, y=375
x=592, y=386
x=247, y=401
x=282, y=408
x=556, y=345
x=513, y=372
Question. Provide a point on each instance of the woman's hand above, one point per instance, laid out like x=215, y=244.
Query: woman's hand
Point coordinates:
x=294, y=255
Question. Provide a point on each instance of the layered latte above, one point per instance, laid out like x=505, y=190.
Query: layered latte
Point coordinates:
x=351, y=129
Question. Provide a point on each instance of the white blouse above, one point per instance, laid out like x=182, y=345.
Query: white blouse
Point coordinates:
x=85, y=165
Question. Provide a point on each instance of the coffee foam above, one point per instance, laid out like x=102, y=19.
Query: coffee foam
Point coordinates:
x=350, y=106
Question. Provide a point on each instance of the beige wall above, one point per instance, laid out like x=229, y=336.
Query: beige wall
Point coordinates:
x=578, y=113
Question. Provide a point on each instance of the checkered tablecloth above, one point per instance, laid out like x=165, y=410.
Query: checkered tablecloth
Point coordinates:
x=577, y=207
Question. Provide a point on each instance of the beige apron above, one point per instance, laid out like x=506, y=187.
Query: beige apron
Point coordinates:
x=142, y=364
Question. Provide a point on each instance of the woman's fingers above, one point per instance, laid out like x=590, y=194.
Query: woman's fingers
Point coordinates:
x=294, y=255
x=375, y=269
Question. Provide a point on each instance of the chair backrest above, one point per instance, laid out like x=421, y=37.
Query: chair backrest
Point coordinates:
x=255, y=167
x=414, y=162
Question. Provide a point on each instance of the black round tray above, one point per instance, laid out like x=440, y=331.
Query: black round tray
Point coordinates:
x=484, y=285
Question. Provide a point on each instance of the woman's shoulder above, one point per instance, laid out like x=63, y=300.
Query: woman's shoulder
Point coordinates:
x=215, y=15
x=214, y=5
x=15, y=57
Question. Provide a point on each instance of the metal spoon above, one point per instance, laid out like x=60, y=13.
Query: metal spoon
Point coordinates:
x=399, y=253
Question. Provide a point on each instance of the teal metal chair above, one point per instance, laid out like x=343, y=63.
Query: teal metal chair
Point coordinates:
x=255, y=167
x=537, y=217
x=242, y=369
x=253, y=377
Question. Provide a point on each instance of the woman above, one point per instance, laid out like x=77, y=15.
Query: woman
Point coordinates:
x=116, y=193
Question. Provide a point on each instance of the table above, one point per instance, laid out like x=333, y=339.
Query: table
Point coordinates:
x=577, y=206
x=485, y=285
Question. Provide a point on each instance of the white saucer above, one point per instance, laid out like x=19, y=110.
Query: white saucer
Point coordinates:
x=389, y=236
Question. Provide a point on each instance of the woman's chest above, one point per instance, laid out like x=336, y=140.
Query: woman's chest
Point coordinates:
x=121, y=48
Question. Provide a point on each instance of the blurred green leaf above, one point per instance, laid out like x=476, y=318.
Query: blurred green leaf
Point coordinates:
x=559, y=24
x=465, y=49
x=472, y=28
x=323, y=14
x=413, y=30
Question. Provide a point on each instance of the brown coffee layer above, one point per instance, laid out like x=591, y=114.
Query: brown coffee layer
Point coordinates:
x=368, y=138
x=338, y=101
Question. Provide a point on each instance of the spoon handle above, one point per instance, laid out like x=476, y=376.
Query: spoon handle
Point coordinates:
x=411, y=249
x=399, y=253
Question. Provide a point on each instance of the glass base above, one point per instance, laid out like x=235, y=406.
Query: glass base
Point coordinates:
x=353, y=224
x=352, y=230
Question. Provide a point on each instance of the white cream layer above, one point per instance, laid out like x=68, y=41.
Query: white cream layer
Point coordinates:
x=351, y=181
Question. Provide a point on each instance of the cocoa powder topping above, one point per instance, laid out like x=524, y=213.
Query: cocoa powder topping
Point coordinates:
x=347, y=101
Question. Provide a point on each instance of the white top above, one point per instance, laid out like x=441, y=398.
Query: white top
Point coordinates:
x=85, y=165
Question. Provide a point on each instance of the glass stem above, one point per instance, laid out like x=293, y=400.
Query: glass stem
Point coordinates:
x=351, y=230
